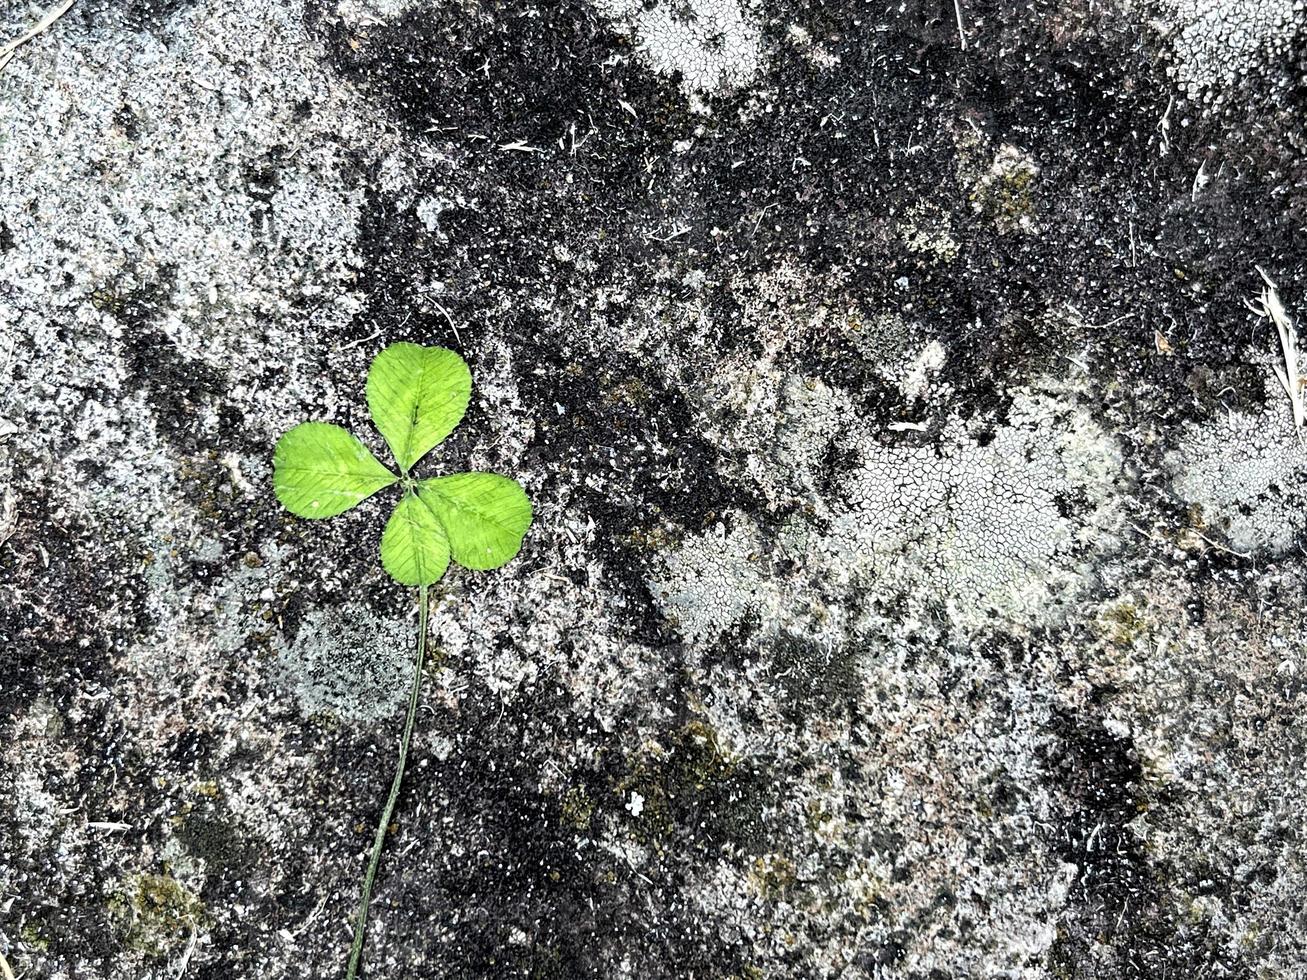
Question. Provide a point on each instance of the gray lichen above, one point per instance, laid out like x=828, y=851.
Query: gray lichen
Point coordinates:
x=1217, y=43
x=1246, y=472
x=348, y=661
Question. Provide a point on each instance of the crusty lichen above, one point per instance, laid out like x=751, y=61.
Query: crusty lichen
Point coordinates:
x=1002, y=525
x=1245, y=473
x=829, y=543
x=1216, y=43
x=349, y=662
x=709, y=45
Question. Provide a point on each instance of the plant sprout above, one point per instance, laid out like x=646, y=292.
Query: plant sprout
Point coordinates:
x=416, y=396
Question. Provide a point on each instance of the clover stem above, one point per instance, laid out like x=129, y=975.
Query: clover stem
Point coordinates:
x=356, y=951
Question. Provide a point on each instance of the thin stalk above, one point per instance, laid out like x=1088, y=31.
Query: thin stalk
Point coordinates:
x=356, y=951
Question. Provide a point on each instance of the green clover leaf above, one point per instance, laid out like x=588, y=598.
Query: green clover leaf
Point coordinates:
x=321, y=470
x=416, y=396
x=484, y=514
x=414, y=545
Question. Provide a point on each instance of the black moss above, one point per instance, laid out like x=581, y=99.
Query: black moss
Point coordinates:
x=63, y=620
x=1119, y=899
x=614, y=418
x=814, y=678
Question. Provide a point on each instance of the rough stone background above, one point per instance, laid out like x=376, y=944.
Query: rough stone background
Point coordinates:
x=918, y=587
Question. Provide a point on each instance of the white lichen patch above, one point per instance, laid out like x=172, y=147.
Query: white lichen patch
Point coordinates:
x=365, y=13
x=348, y=661
x=1007, y=526
x=710, y=46
x=1247, y=473
x=712, y=581
x=921, y=368
x=1217, y=43
x=159, y=185
x=928, y=230
x=999, y=526
x=781, y=425
x=810, y=48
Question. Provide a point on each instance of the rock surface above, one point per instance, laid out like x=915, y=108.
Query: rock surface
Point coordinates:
x=918, y=587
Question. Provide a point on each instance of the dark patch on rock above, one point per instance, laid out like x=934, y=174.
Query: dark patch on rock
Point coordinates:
x=210, y=832
x=694, y=796
x=179, y=388
x=142, y=15
x=192, y=749
x=127, y=121
x=1118, y=899
x=62, y=620
x=615, y=418
x=815, y=679
x=483, y=73
x=513, y=866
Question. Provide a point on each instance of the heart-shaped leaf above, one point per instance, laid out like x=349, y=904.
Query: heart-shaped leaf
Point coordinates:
x=320, y=470
x=484, y=515
x=414, y=549
x=417, y=395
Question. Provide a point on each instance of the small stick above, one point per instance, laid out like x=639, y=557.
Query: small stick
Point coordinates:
x=1291, y=380
x=51, y=15
x=445, y=312
x=4, y=968
x=962, y=32
x=1220, y=547
x=186, y=956
x=360, y=923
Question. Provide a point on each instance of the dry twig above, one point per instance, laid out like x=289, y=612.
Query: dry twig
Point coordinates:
x=51, y=15
x=962, y=31
x=1291, y=378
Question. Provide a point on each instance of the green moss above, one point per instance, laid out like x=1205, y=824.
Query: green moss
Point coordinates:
x=1007, y=193
x=577, y=809
x=1014, y=194
x=109, y=300
x=816, y=815
x=631, y=392
x=154, y=914
x=1123, y=623
x=31, y=936
x=655, y=538
x=772, y=875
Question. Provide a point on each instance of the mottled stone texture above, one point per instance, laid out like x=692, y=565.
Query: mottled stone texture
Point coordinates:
x=919, y=579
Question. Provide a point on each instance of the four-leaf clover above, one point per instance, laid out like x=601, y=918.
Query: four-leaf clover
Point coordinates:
x=416, y=396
